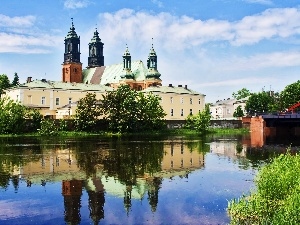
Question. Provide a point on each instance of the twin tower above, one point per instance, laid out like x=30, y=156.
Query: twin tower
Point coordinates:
x=72, y=67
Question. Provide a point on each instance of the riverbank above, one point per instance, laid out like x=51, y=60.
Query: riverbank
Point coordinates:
x=277, y=197
x=178, y=131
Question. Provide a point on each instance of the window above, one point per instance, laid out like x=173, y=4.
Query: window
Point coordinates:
x=172, y=163
x=29, y=99
x=191, y=101
x=181, y=149
x=228, y=111
x=172, y=150
x=199, y=101
x=56, y=101
x=191, y=111
x=171, y=99
x=70, y=100
x=181, y=114
x=43, y=162
x=181, y=100
x=172, y=112
x=43, y=101
x=191, y=161
x=17, y=98
x=181, y=162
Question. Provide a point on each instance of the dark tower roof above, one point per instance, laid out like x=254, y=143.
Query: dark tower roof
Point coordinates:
x=72, y=33
x=72, y=46
x=96, y=58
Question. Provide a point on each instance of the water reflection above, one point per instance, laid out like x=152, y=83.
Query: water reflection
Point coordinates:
x=125, y=169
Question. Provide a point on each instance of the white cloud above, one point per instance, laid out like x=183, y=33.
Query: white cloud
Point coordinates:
x=270, y=24
x=17, y=21
x=18, y=43
x=186, y=32
x=261, y=61
x=74, y=4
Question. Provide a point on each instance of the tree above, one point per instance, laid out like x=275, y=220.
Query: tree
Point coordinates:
x=238, y=112
x=15, y=81
x=150, y=113
x=4, y=83
x=199, y=122
x=127, y=110
x=243, y=93
x=290, y=95
x=12, y=116
x=260, y=102
x=87, y=113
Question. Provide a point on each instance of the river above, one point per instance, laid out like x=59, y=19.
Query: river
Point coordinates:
x=132, y=180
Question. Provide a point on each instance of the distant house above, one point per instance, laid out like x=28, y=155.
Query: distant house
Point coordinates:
x=224, y=109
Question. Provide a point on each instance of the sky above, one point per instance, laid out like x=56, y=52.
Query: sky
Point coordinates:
x=215, y=47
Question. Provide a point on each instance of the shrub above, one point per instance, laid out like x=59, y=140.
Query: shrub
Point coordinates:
x=277, y=198
x=48, y=128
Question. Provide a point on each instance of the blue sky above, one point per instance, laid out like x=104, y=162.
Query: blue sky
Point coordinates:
x=216, y=47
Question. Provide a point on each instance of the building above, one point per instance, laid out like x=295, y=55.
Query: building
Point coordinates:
x=58, y=99
x=224, y=109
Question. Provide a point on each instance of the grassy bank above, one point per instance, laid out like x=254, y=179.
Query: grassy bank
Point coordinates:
x=276, y=199
x=179, y=131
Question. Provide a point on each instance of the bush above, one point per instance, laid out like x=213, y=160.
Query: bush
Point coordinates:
x=48, y=128
x=277, y=199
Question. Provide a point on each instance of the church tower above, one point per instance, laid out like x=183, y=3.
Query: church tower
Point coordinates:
x=96, y=58
x=153, y=76
x=72, y=67
x=127, y=73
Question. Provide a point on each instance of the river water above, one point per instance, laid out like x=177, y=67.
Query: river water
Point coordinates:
x=96, y=180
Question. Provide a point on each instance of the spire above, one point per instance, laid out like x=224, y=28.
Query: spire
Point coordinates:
x=127, y=73
x=96, y=58
x=72, y=46
x=152, y=64
x=72, y=33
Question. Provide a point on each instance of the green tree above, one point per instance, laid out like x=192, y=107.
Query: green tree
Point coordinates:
x=238, y=112
x=12, y=116
x=243, y=93
x=87, y=113
x=35, y=117
x=127, y=110
x=15, y=81
x=4, y=83
x=150, y=113
x=260, y=103
x=200, y=121
x=290, y=95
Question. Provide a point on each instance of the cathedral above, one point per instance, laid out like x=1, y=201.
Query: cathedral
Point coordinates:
x=132, y=73
x=58, y=99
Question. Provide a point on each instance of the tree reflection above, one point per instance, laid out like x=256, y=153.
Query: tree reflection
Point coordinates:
x=96, y=205
x=12, y=157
